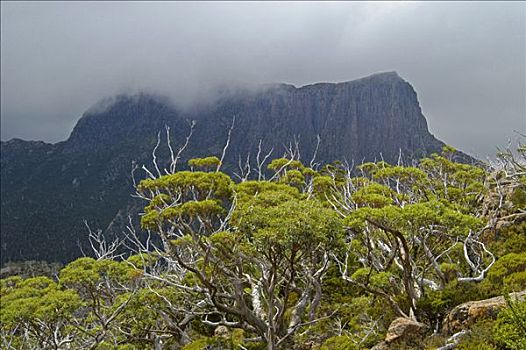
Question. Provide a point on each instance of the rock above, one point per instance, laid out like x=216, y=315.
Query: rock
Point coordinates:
x=466, y=314
x=222, y=331
x=381, y=346
x=402, y=331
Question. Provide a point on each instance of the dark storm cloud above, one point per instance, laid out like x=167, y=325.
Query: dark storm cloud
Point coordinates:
x=466, y=60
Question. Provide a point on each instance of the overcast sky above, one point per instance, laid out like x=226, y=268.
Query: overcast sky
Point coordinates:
x=465, y=60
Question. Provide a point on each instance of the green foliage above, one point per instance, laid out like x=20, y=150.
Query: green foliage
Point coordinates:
x=284, y=163
x=510, y=328
x=339, y=343
x=184, y=182
x=266, y=193
x=456, y=182
x=233, y=341
x=38, y=305
x=322, y=184
x=508, y=273
x=510, y=239
x=86, y=273
x=480, y=337
x=435, y=304
x=199, y=344
x=293, y=178
x=37, y=298
x=272, y=222
x=397, y=232
x=183, y=196
x=374, y=196
x=518, y=197
x=207, y=163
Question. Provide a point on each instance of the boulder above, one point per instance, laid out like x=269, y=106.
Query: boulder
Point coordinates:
x=381, y=346
x=404, y=328
x=222, y=332
x=466, y=314
x=402, y=331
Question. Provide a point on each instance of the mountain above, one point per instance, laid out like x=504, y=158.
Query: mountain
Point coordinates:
x=47, y=190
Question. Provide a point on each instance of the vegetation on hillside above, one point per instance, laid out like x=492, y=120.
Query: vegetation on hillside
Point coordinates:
x=309, y=257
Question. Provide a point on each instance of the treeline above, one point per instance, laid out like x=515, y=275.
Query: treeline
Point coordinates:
x=309, y=257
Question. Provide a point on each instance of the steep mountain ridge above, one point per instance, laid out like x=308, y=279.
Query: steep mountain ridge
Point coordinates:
x=48, y=189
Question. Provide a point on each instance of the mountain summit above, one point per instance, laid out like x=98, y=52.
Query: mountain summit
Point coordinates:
x=49, y=189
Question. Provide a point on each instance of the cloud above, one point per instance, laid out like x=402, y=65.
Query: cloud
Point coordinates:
x=466, y=60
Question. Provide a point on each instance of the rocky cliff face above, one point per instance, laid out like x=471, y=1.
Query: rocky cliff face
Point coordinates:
x=48, y=189
x=362, y=119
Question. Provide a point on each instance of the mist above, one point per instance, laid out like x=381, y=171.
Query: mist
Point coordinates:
x=465, y=60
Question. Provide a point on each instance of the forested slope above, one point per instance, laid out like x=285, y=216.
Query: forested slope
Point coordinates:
x=309, y=257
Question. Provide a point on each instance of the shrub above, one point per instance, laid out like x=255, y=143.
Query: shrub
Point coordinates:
x=340, y=342
x=508, y=273
x=510, y=328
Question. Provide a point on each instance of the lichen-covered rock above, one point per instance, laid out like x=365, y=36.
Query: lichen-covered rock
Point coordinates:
x=222, y=331
x=383, y=345
x=466, y=314
x=403, y=331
